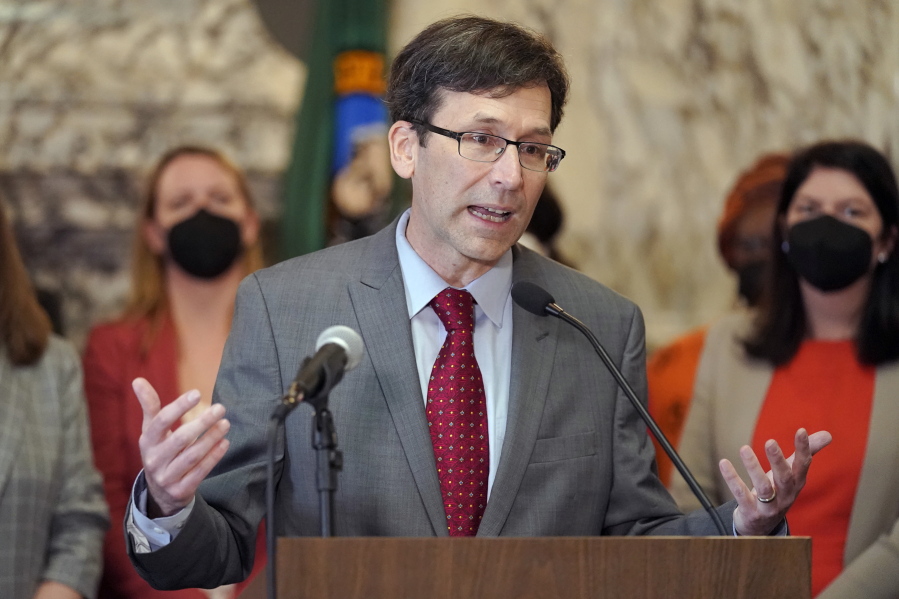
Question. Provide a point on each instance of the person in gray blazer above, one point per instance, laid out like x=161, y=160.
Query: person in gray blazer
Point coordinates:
x=52, y=512
x=474, y=104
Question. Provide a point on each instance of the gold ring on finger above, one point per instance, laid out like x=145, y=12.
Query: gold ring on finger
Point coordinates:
x=767, y=499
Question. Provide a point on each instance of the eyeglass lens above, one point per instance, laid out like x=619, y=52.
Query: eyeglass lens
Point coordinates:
x=488, y=148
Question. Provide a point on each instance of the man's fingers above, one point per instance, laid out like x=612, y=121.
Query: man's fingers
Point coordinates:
x=158, y=428
x=807, y=446
x=736, y=485
x=187, y=486
x=148, y=398
x=176, y=465
x=781, y=469
x=190, y=431
x=818, y=441
x=760, y=481
x=160, y=446
x=762, y=507
x=194, y=454
x=810, y=444
x=176, y=461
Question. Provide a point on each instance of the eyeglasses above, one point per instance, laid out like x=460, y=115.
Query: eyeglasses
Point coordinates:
x=482, y=147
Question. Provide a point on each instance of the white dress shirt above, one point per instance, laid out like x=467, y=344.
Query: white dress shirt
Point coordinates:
x=492, y=331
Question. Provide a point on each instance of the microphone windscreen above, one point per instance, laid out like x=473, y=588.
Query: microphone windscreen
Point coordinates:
x=346, y=338
x=531, y=297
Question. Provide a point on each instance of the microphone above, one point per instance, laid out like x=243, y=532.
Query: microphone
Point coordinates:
x=537, y=300
x=338, y=349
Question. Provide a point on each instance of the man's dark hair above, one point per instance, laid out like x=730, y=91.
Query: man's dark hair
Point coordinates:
x=781, y=327
x=475, y=55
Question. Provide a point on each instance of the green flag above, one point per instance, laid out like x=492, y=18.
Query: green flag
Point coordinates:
x=349, y=35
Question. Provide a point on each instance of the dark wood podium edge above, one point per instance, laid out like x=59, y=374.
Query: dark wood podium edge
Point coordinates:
x=571, y=567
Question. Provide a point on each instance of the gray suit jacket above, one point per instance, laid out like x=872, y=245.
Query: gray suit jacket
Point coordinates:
x=576, y=458
x=728, y=396
x=52, y=512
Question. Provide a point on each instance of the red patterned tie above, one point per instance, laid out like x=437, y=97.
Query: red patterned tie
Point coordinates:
x=457, y=416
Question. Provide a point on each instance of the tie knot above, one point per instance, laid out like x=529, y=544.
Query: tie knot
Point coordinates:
x=455, y=308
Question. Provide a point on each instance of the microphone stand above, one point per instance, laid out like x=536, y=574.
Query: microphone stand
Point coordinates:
x=275, y=427
x=328, y=462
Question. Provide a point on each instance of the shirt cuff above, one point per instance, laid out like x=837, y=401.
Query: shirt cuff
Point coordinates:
x=147, y=534
x=782, y=530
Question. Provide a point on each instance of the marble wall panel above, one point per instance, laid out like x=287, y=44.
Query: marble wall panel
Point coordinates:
x=93, y=91
x=670, y=100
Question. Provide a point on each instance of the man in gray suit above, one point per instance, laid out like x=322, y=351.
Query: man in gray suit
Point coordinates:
x=567, y=455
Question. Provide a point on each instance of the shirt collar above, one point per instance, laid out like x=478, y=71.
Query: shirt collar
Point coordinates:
x=491, y=290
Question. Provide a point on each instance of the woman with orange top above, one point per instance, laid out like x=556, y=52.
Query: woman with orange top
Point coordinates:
x=197, y=237
x=823, y=352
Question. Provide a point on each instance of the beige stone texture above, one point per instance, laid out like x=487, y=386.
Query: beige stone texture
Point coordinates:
x=670, y=100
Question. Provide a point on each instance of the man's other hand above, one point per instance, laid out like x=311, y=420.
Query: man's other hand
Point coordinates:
x=761, y=509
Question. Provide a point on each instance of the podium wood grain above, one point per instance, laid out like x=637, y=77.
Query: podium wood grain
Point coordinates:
x=541, y=568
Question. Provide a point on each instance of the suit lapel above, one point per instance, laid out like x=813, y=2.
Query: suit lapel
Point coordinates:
x=12, y=419
x=379, y=300
x=534, y=341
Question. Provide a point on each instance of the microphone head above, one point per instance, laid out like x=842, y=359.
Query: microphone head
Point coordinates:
x=345, y=337
x=532, y=297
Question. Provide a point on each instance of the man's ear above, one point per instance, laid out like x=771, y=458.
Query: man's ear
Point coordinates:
x=403, y=141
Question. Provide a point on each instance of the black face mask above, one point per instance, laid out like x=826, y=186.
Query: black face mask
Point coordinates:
x=205, y=245
x=752, y=281
x=829, y=253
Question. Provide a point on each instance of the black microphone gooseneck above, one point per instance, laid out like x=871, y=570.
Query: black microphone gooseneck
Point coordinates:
x=537, y=300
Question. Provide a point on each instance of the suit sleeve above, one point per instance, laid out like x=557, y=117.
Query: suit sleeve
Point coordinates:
x=217, y=544
x=640, y=503
x=80, y=517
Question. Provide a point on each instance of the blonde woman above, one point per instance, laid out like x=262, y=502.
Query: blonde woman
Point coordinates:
x=197, y=237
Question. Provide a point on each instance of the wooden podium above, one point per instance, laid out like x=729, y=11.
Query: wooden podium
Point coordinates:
x=541, y=568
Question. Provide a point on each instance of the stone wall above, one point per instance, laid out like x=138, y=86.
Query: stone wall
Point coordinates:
x=93, y=91
x=670, y=100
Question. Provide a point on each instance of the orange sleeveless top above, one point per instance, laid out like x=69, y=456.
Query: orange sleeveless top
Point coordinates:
x=823, y=388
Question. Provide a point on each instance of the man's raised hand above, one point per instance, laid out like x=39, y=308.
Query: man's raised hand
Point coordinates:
x=762, y=508
x=176, y=462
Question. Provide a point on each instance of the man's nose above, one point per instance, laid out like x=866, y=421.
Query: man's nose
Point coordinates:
x=507, y=170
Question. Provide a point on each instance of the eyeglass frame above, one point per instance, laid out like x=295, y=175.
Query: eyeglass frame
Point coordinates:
x=457, y=135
